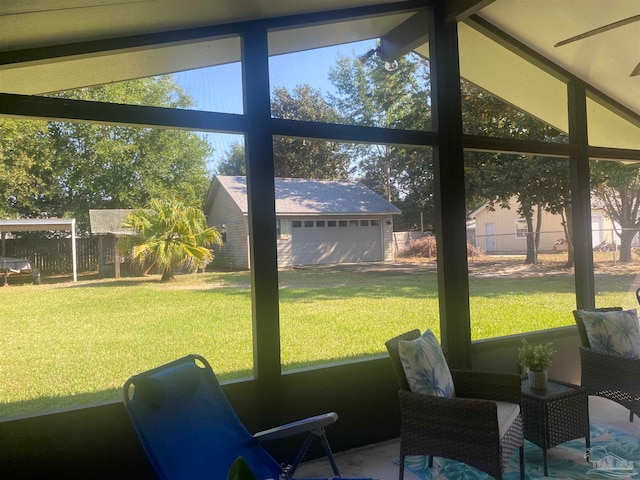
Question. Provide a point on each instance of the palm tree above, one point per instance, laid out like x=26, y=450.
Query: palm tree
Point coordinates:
x=170, y=235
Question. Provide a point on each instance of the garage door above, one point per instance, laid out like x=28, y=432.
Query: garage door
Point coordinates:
x=336, y=241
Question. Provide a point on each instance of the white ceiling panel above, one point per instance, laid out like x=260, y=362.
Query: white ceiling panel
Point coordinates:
x=604, y=60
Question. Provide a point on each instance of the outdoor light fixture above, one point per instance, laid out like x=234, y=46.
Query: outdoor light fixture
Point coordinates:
x=391, y=66
x=363, y=59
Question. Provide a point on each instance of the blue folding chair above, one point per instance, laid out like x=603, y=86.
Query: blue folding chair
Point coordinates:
x=189, y=429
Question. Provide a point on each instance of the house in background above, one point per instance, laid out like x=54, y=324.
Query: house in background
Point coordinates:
x=317, y=222
x=504, y=231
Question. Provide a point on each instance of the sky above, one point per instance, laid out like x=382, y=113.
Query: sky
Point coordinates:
x=219, y=89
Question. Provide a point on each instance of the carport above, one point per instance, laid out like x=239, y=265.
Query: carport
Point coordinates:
x=43, y=225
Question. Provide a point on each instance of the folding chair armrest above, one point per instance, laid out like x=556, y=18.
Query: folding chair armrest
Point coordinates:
x=301, y=426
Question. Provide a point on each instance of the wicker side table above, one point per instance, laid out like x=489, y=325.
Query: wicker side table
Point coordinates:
x=555, y=415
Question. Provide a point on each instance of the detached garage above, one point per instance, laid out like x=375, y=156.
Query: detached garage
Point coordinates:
x=318, y=222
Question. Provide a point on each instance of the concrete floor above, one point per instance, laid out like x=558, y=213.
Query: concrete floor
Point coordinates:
x=377, y=460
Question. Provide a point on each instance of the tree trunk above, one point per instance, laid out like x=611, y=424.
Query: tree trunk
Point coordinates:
x=532, y=255
x=538, y=228
x=626, y=237
x=167, y=276
x=568, y=234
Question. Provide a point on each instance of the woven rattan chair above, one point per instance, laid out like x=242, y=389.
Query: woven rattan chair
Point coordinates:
x=608, y=375
x=462, y=428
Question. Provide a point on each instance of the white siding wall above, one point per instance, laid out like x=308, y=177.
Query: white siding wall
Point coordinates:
x=234, y=254
x=284, y=244
x=496, y=230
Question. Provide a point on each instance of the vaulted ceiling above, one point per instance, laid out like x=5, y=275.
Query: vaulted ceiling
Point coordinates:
x=605, y=57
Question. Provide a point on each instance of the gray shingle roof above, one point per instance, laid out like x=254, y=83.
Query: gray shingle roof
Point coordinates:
x=302, y=196
x=109, y=221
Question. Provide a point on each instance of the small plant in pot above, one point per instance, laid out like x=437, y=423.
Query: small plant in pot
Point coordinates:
x=536, y=359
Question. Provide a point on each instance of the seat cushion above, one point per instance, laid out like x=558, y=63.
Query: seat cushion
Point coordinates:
x=425, y=367
x=615, y=332
x=507, y=413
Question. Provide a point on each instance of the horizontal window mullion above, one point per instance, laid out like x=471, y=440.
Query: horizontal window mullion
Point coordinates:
x=606, y=153
x=507, y=145
x=351, y=133
x=49, y=108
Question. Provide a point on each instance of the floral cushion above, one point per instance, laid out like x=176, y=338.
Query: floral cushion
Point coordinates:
x=613, y=332
x=425, y=367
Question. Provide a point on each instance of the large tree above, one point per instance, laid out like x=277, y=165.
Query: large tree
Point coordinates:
x=370, y=95
x=617, y=188
x=26, y=171
x=233, y=163
x=66, y=168
x=297, y=157
x=170, y=235
x=538, y=183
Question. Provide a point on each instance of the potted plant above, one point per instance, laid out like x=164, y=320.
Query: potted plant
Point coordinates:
x=536, y=359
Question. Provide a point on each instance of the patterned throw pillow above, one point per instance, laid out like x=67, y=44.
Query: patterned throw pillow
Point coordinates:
x=613, y=332
x=425, y=367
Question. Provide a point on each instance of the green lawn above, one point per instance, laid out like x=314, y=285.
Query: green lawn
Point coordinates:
x=65, y=344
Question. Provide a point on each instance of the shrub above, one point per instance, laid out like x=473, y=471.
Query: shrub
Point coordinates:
x=426, y=247
x=423, y=247
x=473, y=251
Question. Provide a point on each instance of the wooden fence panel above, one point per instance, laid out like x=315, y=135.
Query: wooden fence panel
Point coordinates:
x=53, y=255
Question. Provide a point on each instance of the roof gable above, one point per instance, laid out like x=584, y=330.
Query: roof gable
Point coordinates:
x=298, y=196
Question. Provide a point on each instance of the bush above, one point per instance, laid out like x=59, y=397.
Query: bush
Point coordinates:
x=423, y=247
x=473, y=251
x=426, y=247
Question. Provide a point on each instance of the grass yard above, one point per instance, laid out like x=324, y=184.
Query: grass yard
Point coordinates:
x=66, y=344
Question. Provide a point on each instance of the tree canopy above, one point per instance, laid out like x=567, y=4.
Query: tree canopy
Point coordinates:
x=538, y=183
x=370, y=95
x=65, y=168
x=617, y=189
x=297, y=157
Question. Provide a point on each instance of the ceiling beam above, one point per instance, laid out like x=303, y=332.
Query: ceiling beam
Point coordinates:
x=406, y=37
x=414, y=32
x=146, y=40
x=457, y=10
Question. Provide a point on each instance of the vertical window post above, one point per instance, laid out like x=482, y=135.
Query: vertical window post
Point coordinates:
x=262, y=225
x=580, y=178
x=453, y=276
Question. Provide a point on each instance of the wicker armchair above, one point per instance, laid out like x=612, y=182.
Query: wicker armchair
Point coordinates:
x=462, y=428
x=607, y=375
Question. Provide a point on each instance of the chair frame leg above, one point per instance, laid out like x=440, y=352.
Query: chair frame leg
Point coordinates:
x=328, y=452
x=305, y=446
x=521, y=462
x=301, y=453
